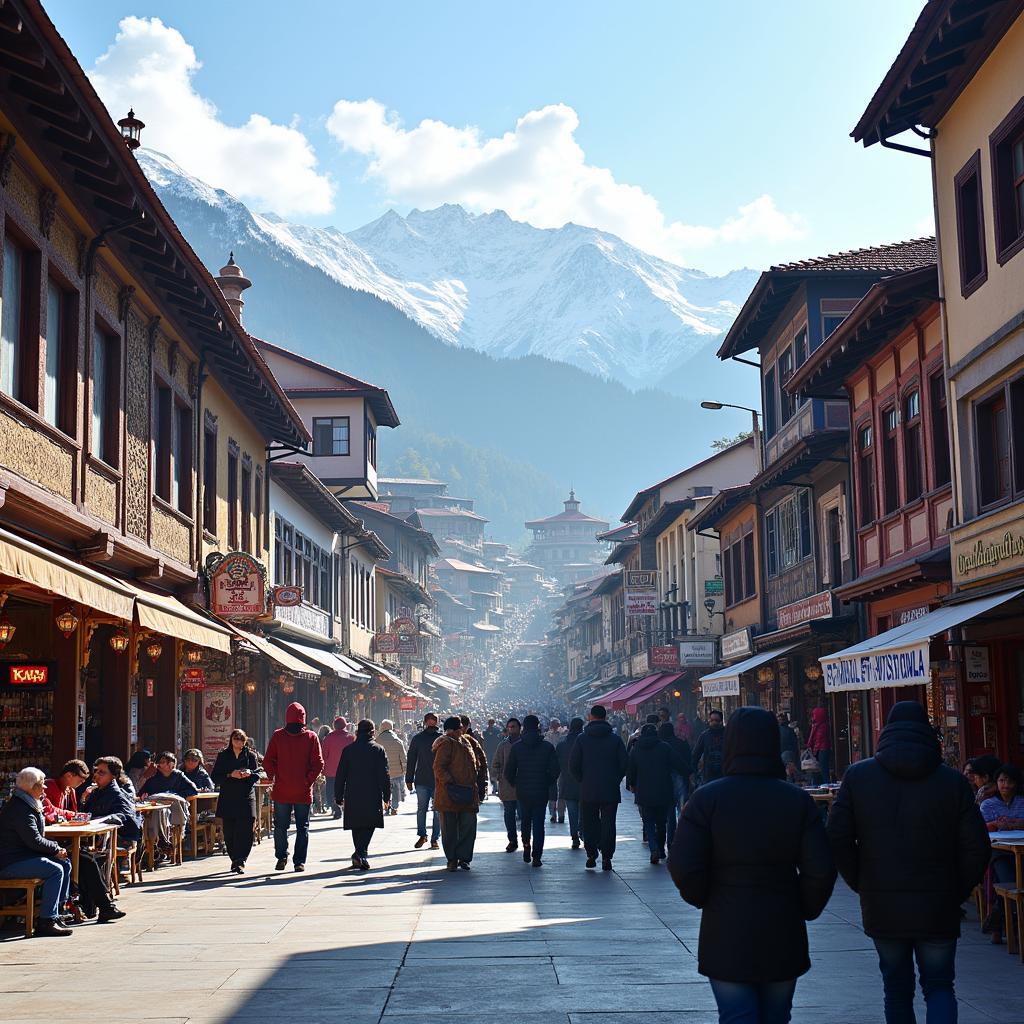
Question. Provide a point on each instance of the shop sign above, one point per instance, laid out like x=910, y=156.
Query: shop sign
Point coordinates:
x=286, y=597
x=135, y=718
x=976, y=665
x=150, y=687
x=697, y=653
x=218, y=719
x=609, y=671
x=640, y=587
x=664, y=657
x=20, y=675
x=385, y=643
x=406, y=703
x=908, y=667
x=817, y=606
x=714, y=588
x=80, y=720
x=989, y=554
x=739, y=644
x=638, y=664
x=238, y=585
x=728, y=687
x=193, y=680
x=908, y=615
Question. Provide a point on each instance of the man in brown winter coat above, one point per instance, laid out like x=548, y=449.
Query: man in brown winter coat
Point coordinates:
x=460, y=783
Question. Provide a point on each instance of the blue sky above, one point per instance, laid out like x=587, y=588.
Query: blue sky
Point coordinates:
x=716, y=135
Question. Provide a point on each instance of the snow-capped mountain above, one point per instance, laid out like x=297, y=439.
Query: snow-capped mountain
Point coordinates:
x=572, y=294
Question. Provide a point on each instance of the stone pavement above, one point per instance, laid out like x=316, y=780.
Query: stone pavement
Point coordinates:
x=410, y=942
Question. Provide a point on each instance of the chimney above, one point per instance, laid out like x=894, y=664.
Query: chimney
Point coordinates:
x=232, y=283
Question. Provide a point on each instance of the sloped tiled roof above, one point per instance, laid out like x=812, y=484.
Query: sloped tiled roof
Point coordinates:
x=893, y=258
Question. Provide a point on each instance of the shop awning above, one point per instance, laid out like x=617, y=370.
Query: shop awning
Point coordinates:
x=652, y=691
x=380, y=670
x=325, y=659
x=617, y=698
x=726, y=681
x=580, y=688
x=277, y=654
x=23, y=560
x=165, y=614
x=900, y=656
x=444, y=682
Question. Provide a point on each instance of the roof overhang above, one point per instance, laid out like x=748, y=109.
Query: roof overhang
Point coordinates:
x=666, y=515
x=797, y=462
x=721, y=505
x=932, y=567
x=301, y=483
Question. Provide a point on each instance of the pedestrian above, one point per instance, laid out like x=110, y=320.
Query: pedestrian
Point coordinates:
x=491, y=740
x=292, y=762
x=681, y=768
x=790, y=747
x=236, y=773
x=751, y=853
x=363, y=788
x=1001, y=813
x=395, y=749
x=460, y=783
x=419, y=773
x=568, y=787
x=664, y=715
x=649, y=778
x=707, y=754
x=910, y=840
x=474, y=740
x=598, y=763
x=683, y=728
x=532, y=767
x=819, y=743
x=506, y=791
x=338, y=739
x=981, y=773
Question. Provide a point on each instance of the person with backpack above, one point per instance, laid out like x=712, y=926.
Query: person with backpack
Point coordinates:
x=532, y=768
x=707, y=754
x=649, y=778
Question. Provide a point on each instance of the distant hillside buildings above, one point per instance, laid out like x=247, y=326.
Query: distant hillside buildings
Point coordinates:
x=566, y=545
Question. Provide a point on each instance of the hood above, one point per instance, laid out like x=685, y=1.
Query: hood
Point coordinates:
x=752, y=744
x=296, y=714
x=576, y=726
x=531, y=738
x=667, y=732
x=599, y=727
x=648, y=740
x=818, y=716
x=341, y=724
x=908, y=749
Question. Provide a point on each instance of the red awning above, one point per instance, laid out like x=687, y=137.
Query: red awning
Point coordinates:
x=651, y=691
x=617, y=700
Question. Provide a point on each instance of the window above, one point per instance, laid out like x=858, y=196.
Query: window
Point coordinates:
x=993, y=426
x=301, y=562
x=769, y=404
x=749, y=571
x=1007, y=153
x=830, y=323
x=181, y=469
x=912, y=453
x=59, y=340
x=331, y=435
x=970, y=224
x=940, y=431
x=800, y=347
x=785, y=372
x=162, y=442
x=738, y=563
x=232, y=496
x=257, y=508
x=890, y=480
x=788, y=533
x=866, y=475
x=210, y=479
x=12, y=319
x=371, y=444
x=246, y=504
x=106, y=377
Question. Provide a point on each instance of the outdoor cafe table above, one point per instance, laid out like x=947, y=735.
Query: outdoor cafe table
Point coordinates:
x=93, y=831
x=194, y=803
x=1013, y=843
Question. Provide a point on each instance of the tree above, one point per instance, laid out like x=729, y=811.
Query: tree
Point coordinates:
x=727, y=442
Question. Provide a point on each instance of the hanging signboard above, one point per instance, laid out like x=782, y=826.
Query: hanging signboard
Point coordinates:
x=739, y=644
x=728, y=687
x=134, y=736
x=286, y=597
x=664, y=657
x=218, y=719
x=714, y=588
x=238, y=585
x=906, y=667
x=976, y=665
x=640, y=589
x=385, y=643
x=817, y=606
x=697, y=653
x=20, y=675
x=193, y=680
x=406, y=703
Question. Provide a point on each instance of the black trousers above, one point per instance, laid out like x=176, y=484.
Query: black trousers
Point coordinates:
x=361, y=840
x=237, y=837
x=92, y=889
x=597, y=822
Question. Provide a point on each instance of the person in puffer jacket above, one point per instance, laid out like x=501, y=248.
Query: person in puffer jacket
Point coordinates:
x=333, y=746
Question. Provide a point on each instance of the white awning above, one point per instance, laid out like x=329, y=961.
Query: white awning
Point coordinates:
x=166, y=614
x=443, y=681
x=726, y=681
x=381, y=670
x=278, y=654
x=900, y=656
x=325, y=659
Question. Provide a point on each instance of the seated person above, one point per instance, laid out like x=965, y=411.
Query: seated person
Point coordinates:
x=171, y=787
x=195, y=771
x=25, y=852
x=110, y=799
x=1003, y=812
x=140, y=767
x=61, y=790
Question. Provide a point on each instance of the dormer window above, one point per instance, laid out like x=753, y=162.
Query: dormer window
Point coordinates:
x=331, y=435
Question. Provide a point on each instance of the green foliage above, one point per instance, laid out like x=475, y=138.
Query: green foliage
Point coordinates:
x=721, y=443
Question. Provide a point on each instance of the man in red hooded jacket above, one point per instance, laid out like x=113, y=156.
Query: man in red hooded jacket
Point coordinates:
x=334, y=743
x=293, y=762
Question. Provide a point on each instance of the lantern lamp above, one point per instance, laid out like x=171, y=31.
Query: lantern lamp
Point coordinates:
x=194, y=655
x=67, y=621
x=765, y=675
x=813, y=672
x=154, y=649
x=249, y=686
x=677, y=693
x=287, y=686
x=119, y=641
x=131, y=130
x=7, y=630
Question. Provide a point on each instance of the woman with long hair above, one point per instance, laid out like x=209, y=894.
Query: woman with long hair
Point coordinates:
x=236, y=772
x=363, y=788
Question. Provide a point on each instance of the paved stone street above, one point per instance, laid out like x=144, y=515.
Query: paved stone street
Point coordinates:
x=409, y=941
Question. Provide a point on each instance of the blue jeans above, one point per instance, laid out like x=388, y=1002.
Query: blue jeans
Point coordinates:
x=825, y=765
x=533, y=826
x=654, y=819
x=282, y=819
x=572, y=808
x=766, y=1003
x=424, y=794
x=511, y=812
x=397, y=792
x=936, y=959
x=56, y=876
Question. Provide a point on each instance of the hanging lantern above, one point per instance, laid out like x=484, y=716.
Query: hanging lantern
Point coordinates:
x=131, y=130
x=67, y=621
x=154, y=649
x=677, y=693
x=7, y=630
x=249, y=686
x=765, y=675
x=119, y=641
x=813, y=672
x=287, y=686
x=194, y=655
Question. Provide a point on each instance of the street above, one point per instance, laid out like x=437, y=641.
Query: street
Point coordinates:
x=409, y=941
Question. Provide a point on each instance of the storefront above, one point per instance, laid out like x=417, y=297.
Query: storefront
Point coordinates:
x=724, y=688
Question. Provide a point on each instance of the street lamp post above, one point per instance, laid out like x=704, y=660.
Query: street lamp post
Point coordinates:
x=755, y=426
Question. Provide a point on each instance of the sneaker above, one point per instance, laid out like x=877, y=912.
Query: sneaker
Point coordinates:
x=422, y=841
x=110, y=914
x=49, y=926
x=591, y=861
x=464, y=864
x=513, y=845
x=300, y=867
x=537, y=862
x=434, y=844
x=282, y=863
x=606, y=865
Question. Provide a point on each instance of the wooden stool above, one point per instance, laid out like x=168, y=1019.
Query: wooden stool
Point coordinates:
x=133, y=862
x=177, y=844
x=27, y=909
x=1013, y=900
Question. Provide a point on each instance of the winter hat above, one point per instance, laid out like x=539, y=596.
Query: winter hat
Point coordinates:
x=531, y=723
x=296, y=714
x=907, y=711
x=340, y=723
x=752, y=744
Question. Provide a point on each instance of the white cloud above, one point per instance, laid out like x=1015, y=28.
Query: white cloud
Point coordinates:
x=150, y=67
x=537, y=173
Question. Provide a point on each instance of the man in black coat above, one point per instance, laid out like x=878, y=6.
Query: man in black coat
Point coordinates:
x=752, y=854
x=362, y=788
x=598, y=763
x=708, y=754
x=908, y=837
x=649, y=779
x=532, y=767
x=491, y=740
x=419, y=773
x=568, y=787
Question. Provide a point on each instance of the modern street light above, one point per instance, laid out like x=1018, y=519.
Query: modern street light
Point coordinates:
x=755, y=426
